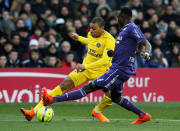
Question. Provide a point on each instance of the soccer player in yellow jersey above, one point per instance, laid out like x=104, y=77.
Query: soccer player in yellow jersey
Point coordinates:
x=94, y=65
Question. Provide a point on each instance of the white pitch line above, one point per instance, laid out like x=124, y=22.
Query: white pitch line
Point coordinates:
x=90, y=119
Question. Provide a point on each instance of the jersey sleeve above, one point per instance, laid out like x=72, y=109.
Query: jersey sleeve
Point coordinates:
x=83, y=40
x=105, y=60
x=136, y=34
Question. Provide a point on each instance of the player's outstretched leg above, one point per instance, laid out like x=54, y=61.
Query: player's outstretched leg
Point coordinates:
x=29, y=114
x=73, y=95
x=96, y=112
x=142, y=116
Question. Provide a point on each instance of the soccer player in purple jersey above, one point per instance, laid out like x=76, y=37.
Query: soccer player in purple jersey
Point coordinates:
x=120, y=71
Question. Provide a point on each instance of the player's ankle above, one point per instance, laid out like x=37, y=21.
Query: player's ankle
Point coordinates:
x=53, y=99
x=95, y=110
x=142, y=114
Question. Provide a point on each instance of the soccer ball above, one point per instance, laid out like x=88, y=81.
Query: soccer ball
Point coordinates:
x=45, y=114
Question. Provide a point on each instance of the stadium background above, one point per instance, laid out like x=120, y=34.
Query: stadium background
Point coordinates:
x=44, y=27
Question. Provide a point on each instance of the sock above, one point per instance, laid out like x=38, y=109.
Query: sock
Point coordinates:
x=56, y=91
x=74, y=95
x=105, y=102
x=125, y=103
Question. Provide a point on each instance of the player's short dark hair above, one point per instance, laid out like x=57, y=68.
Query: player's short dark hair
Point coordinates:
x=126, y=11
x=98, y=20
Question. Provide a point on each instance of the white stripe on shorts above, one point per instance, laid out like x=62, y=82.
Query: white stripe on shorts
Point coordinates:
x=112, y=81
x=112, y=74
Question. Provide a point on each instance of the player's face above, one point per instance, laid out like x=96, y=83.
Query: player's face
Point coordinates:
x=121, y=20
x=96, y=30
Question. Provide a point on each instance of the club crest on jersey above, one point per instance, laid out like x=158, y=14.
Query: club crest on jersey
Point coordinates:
x=98, y=45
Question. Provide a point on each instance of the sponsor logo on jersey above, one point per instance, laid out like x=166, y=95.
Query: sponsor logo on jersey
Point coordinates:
x=93, y=53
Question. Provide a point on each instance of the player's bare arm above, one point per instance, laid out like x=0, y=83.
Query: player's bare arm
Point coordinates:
x=79, y=38
x=74, y=36
x=148, y=48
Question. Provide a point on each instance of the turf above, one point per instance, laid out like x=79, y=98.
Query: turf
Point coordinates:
x=77, y=116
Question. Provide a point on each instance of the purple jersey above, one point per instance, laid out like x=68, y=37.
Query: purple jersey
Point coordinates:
x=125, y=49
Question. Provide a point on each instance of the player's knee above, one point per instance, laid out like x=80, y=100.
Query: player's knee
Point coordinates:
x=116, y=99
x=67, y=84
x=90, y=87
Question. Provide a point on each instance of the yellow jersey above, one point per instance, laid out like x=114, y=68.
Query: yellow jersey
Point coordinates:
x=97, y=58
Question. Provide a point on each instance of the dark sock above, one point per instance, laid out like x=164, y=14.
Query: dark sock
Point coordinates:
x=74, y=95
x=125, y=103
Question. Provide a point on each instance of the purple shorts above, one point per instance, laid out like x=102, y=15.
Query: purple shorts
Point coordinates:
x=112, y=78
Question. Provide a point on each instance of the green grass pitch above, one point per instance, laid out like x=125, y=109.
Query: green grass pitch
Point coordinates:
x=77, y=117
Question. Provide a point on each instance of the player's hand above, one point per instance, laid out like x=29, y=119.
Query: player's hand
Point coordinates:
x=73, y=65
x=145, y=55
x=80, y=67
x=74, y=36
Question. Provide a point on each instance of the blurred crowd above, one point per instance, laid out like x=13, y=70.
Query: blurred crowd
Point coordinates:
x=37, y=33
